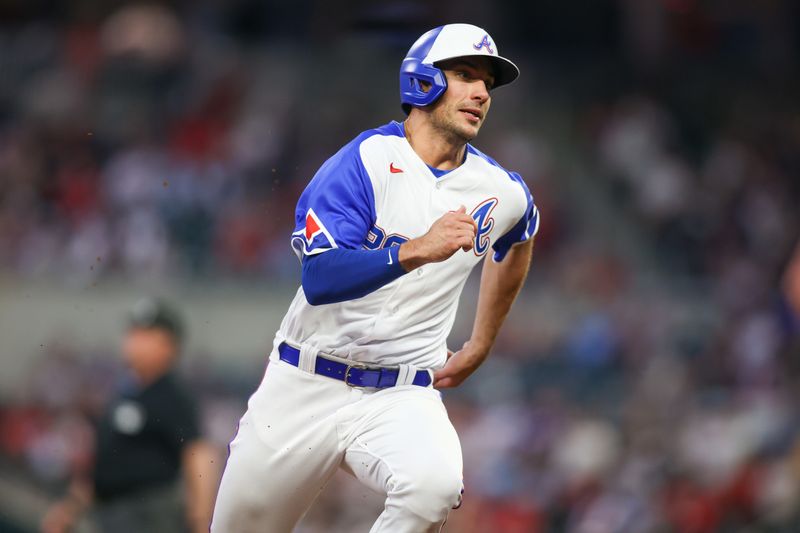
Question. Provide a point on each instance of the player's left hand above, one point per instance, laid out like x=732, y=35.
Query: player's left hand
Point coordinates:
x=459, y=366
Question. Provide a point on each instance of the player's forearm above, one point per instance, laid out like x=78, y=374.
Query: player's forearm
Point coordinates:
x=500, y=284
x=340, y=274
x=413, y=254
x=201, y=475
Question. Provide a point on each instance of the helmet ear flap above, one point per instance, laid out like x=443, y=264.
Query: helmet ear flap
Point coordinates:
x=412, y=74
x=413, y=70
x=413, y=86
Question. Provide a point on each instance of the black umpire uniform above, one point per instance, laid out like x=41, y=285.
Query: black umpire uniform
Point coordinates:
x=139, y=443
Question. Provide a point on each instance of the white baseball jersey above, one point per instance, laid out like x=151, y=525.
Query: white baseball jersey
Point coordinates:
x=374, y=193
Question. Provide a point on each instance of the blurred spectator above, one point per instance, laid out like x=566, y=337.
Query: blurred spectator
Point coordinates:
x=149, y=435
x=791, y=282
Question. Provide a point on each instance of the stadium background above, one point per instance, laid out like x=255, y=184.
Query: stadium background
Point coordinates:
x=647, y=379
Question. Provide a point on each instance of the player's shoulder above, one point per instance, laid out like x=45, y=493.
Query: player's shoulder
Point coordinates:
x=497, y=169
x=389, y=130
x=349, y=156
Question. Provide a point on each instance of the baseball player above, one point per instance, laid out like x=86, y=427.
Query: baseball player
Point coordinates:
x=387, y=232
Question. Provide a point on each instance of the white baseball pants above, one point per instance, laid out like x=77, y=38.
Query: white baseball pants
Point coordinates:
x=300, y=427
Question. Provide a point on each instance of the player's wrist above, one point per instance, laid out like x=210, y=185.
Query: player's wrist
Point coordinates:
x=410, y=255
x=480, y=347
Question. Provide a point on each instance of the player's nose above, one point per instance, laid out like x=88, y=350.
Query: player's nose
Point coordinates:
x=480, y=92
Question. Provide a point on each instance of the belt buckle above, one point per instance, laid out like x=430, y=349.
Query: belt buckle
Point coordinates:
x=347, y=374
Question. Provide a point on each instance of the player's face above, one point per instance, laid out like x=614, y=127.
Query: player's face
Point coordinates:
x=463, y=107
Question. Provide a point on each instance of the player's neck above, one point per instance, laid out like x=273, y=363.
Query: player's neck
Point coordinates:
x=432, y=146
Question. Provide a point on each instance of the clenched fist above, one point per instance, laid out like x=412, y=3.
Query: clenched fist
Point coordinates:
x=452, y=231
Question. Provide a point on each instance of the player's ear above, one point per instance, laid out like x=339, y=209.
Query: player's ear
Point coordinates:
x=425, y=86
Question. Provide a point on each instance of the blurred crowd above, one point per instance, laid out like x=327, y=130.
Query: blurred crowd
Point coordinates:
x=125, y=150
x=646, y=382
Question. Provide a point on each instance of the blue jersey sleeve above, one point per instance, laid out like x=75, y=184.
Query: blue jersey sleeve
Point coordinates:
x=337, y=208
x=523, y=230
x=342, y=274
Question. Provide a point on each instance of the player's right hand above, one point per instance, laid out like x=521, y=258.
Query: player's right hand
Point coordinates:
x=453, y=231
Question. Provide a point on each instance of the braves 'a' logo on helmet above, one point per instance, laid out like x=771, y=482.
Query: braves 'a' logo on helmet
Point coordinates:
x=484, y=42
x=485, y=223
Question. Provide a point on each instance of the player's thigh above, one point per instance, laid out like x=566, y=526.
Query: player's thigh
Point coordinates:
x=407, y=443
x=284, y=452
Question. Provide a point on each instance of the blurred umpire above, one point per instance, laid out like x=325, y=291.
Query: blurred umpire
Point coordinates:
x=146, y=439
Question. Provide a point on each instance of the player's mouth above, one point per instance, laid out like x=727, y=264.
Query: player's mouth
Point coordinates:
x=473, y=114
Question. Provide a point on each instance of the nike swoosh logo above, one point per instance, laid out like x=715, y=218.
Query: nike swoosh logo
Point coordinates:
x=393, y=169
x=390, y=259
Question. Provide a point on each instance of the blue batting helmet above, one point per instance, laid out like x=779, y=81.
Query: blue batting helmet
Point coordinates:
x=446, y=42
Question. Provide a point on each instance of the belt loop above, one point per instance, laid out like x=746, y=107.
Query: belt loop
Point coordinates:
x=308, y=358
x=406, y=374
